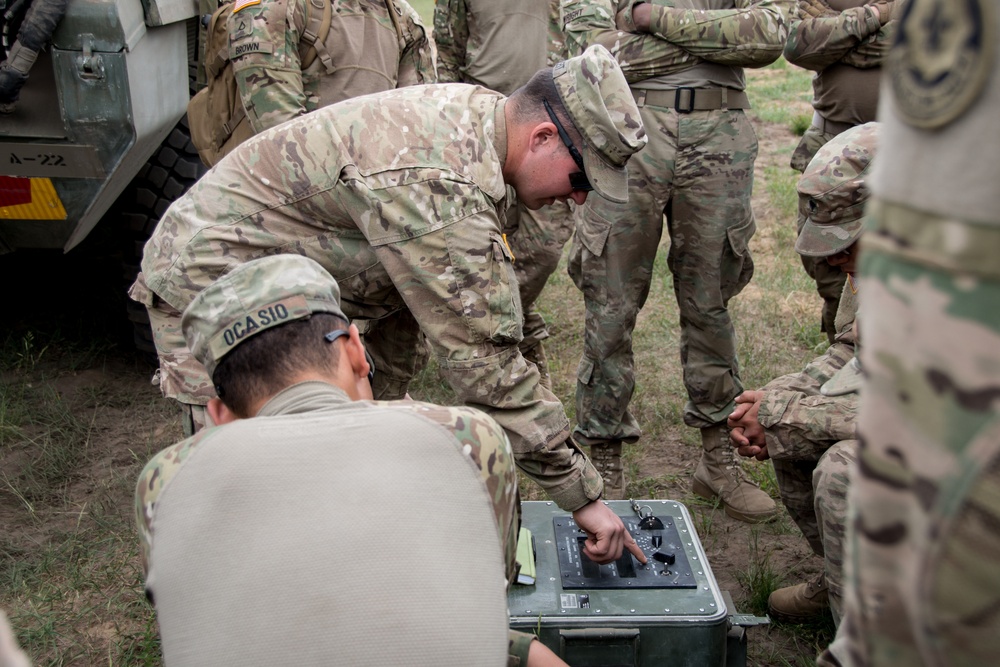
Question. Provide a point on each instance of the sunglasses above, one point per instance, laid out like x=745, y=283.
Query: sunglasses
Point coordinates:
x=578, y=179
x=340, y=333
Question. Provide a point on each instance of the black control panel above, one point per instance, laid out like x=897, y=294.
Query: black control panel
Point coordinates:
x=667, y=565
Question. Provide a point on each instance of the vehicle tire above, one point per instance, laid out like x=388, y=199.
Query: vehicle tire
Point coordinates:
x=166, y=176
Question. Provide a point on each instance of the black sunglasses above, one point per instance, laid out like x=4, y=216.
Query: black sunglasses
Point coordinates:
x=340, y=333
x=578, y=179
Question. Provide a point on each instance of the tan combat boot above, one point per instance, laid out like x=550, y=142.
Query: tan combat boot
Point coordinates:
x=607, y=458
x=799, y=603
x=720, y=475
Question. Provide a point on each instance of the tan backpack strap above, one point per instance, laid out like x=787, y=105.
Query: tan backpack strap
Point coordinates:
x=319, y=15
x=391, y=6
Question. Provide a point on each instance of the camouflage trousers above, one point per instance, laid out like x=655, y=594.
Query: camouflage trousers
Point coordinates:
x=923, y=586
x=815, y=493
x=829, y=279
x=697, y=170
x=536, y=240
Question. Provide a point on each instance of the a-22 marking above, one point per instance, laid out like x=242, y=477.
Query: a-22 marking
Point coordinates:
x=44, y=159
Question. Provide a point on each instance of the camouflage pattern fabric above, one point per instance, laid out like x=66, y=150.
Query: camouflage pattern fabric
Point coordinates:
x=367, y=50
x=835, y=44
x=500, y=46
x=740, y=33
x=810, y=439
x=399, y=196
x=853, y=36
x=698, y=171
x=923, y=587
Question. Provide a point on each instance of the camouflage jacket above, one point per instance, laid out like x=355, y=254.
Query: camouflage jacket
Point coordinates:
x=475, y=435
x=852, y=37
x=367, y=50
x=739, y=33
x=499, y=45
x=799, y=422
x=400, y=196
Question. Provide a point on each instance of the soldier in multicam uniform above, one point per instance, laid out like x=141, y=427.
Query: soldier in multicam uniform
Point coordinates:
x=843, y=42
x=806, y=422
x=400, y=196
x=922, y=582
x=684, y=63
x=500, y=45
x=372, y=46
x=294, y=382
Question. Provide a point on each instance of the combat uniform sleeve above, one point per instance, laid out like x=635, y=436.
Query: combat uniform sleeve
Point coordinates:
x=416, y=60
x=752, y=34
x=485, y=443
x=458, y=281
x=799, y=422
x=815, y=43
x=264, y=49
x=153, y=479
x=641, y=55
x=518, y=647
x=451, y=33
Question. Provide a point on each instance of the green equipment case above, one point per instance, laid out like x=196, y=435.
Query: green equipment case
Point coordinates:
x=667, y=612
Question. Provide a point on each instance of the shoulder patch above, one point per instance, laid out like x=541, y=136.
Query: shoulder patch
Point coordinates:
x=942, y=58
x=243, y=4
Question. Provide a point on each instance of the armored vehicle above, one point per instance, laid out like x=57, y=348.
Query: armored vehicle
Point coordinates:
x=92, y=130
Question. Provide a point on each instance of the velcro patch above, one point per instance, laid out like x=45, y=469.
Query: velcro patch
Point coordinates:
x=243, y=4
x=242, y=48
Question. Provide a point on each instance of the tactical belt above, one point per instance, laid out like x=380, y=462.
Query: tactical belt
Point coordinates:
x=829, y=126
x=686, y=100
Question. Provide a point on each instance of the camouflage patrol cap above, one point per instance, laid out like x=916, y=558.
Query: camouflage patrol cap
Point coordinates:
x=596, y=95
x=832, y=192
x=255, y=297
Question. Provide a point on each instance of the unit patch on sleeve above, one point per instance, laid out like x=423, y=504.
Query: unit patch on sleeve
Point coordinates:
x=941, y=59
x=243, y=4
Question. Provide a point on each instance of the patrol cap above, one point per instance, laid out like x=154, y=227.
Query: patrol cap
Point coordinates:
x=832, y=192
x=254, y=297
x=596, y=95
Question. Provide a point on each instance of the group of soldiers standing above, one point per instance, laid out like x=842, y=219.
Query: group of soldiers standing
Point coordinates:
x=435, y=214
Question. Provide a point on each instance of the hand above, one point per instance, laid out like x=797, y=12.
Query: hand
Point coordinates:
x=635, y=18
x=814, y=9
x=884, y=10
x=606, y=534
x=745, y=430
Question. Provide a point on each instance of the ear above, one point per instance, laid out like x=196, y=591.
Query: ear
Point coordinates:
x=220, y=412
x=355, y=355
x=542, y=136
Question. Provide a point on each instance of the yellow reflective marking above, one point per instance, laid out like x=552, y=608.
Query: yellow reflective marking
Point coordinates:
x=45, y=204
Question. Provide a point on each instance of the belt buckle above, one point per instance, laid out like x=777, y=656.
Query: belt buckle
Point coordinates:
x=680, y=108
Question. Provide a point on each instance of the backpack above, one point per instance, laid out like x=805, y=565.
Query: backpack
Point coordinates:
x=216, y=115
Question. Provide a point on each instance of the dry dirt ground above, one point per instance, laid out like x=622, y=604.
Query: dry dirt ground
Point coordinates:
x=66, y=351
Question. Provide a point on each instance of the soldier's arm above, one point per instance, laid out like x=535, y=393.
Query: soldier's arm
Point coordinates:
x=641, y=56
x=798, y=421
x=153, y=479
x=416, y=60
x=483, y=441
x=458, y=283
x=800, y=427
x=752, y=34
x=264, y=49
x=815, y=43
x=451, y=33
